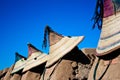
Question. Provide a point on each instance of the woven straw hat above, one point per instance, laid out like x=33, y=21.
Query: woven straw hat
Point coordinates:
x=110, y=34
x=60, y=45
x=19, y=63
x=35, y=58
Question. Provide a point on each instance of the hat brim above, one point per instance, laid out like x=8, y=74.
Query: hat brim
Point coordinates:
x=35, y=60
x=61, y=48
x=19, y=65
x=110, y=35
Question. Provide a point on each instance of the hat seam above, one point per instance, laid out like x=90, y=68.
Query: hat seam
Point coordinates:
x=34, y=57
x=105, y=47
x=59, y=45
x=35, y=60
x=18, y=68
x=103, y=38
x=62, y=44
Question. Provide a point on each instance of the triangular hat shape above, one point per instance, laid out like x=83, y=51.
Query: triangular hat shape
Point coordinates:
x=35, y=58
x=19, y=63
x=59, y=45
x=31, y=49
x=110, y=34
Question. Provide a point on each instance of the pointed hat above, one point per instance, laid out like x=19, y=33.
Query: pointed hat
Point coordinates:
x=110, y=34
x=59, y=45
x=35, y=58
x=19, y=63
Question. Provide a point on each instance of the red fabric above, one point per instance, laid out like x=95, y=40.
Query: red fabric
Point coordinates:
x=31, y=50
x=108, y=8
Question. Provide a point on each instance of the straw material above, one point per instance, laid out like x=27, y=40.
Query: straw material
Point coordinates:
x=110, y=35
x=36, y=59
x=61, y=48
x=19, y=65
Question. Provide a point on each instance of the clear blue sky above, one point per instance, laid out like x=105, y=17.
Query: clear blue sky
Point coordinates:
x=23, y=21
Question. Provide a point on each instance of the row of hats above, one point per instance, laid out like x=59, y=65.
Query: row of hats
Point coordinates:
x=60, y=45
x=35, y=58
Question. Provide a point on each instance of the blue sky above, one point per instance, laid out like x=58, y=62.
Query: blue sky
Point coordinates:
x=23, y=21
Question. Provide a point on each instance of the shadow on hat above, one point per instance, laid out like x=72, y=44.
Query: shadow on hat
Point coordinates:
x=59, y=45
x=64, y=56
x=77, y=55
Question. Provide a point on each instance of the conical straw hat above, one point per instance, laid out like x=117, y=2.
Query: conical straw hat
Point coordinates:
x=35, y=58
x=19, y=63
x=59, y=45
x=110, y=34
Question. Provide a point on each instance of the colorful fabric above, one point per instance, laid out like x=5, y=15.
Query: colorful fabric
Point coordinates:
x=108, y=8
x=111, y=7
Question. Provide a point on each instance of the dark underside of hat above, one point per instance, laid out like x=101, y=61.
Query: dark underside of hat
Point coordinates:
x=111, y=55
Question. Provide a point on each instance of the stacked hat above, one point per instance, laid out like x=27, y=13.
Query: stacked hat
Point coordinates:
x=59, y=45
x=110, y=35
x=35, y=58
x=19, y=63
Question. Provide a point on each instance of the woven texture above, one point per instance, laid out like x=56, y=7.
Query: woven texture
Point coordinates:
x=110, y=34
